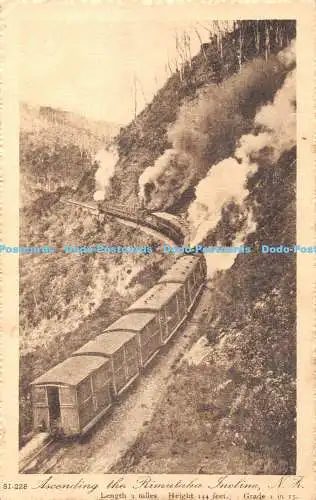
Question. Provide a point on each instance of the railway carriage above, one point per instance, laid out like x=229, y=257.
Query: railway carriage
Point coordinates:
x=165, y=300
x=147, y=218
x=191, y=271
x=145, y=325
x=73, y=395
x=122, y=352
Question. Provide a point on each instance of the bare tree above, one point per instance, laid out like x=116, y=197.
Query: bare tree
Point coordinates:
x=239, y=29
x=257, y=36
x=170, y=67
x=135, y=96
x=201, y=42
x=267, y=40
x=180, y=49
x=137, y=80
x=187, y=41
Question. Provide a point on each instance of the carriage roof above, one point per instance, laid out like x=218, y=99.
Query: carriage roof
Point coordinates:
x=167, y=217
x=134, y=321
x=156, y=297
x=71, y=371
x=180, y=271
x=105, y=344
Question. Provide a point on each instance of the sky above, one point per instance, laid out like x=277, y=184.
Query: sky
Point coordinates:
x=85, y=60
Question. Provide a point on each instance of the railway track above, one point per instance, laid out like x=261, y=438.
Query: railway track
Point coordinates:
x=27, y=466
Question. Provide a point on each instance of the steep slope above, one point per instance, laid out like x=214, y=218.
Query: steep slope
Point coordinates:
x=64, y=299
x=197, y=117
x=236, y=412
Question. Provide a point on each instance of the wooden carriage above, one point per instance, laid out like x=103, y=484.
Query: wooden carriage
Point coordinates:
x=122, y=352
x=191, y=271
x=73, y=395
x=145, y=326
x=167, y=301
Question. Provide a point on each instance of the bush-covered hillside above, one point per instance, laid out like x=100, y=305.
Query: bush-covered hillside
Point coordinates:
x=66, y=300
x=57, y=149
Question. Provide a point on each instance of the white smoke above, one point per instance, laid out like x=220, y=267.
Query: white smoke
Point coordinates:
x=106, y=160
x=287, y=56
x=223, y=261
x=225, y=181
x=207, y=127
x=279, y=118
x=152, y=174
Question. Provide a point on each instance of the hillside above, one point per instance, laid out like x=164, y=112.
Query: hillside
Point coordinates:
x=57, y=148
x=200, y=114
x=235, y=413
x=68, y=302
x=36, y=119
x=212, y=128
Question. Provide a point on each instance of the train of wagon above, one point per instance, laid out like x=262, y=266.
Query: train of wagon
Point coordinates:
x=73, y=395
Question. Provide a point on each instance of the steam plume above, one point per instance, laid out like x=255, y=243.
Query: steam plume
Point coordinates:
x=152, y=174
x=275, y=132
x=223, y=261
x=106, y=160
x=208, y=127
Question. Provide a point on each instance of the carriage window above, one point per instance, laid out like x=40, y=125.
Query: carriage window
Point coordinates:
x=128, y=348
x=108, y=371
x=155, y=323
x=191, y=282
x=181, y=301
x=39, y=395
x=200, y=268
x=162, y=317
x=118, y=358
x=131, y=348
x=153, y=327
x=196, y=276
x=171, y=308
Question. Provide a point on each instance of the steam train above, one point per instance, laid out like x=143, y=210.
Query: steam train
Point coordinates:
x=73, y=395
x=158, y=221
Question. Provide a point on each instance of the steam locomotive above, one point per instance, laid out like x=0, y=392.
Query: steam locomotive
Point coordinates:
x=158, y=221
